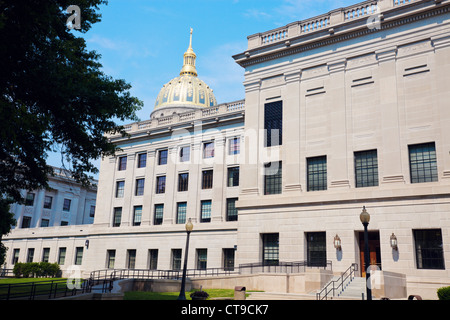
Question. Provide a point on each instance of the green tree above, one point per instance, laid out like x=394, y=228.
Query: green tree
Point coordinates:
x=6, y=221
x=53, y=94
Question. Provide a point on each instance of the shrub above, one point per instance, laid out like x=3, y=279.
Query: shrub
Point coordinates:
x=36, y=269
x=444, y=293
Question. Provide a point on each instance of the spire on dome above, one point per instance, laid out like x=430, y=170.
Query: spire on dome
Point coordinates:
x=189, y=60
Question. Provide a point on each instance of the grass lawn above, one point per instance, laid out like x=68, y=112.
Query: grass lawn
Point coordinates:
x=213, y=293
x=23, y=287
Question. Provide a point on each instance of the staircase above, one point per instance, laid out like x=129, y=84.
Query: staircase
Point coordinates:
x=354, y=289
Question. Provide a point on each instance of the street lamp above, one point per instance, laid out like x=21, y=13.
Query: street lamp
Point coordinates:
x=365, y=218
x=189, y=226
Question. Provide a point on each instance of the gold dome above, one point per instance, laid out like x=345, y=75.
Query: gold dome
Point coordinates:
x=186, y=89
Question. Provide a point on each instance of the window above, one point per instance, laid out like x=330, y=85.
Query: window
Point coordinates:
x=64, y=223
x=233, y=177
x=208, y=150
x=422, y=163
x=62, y=256
x=110, y=259
x=232, y=213
x=117, y=217
x=66, y=205
x=161, y=184
x=205, y=211
x=15, y=257
x=273, y=123
x=78, y=256
x=26, y=222
x=137, y=216
x=139, y=187
x=176, y=259
x=183, y=181
x=92, y=212
x=122, y=163
x=429, y=249
x=228, y=259
x=234, y=146
x=317, y=173
x=185, y=153
x=207, y=179
x=142, y=160
x=45, y=223
x=153, y=259
x=272, y=178
x=131, y=259
x=202, y=255
x=181, y=212
x=45, y=254
x=270, y=249
x=29, y=200
x=48, y=202
x=366, y=168
x=120, y=187
x=30, y=255
x=316, y=249
x=162, y=157
x=159, y=212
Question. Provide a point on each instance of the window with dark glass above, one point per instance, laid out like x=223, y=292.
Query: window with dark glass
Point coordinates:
x=45, y=223
x=423, y=163
x=131, y=263
x=366, y=168
x=120, y=187
x=30, y=255
x=234, y=147
x=117, y=217
x=429, y=249
x=232, y=213
x=181, y=212
x=159, y=213
x=207, y=179
x=176, y=259
x=139, y=187
x=66, y=204
x=185, y=153
x=153, y=259
x=137, y=215
x=183, y=181
x=48, y=202
x=233, y=177
x=273, y=124
x=26, y=222
x=62, y=256
x=317, y=173
x=208, y=150
x=316, y=249
x=15, y=256
x=92, y=212
x=272, y=178
x=228, y=259
x=78, y=256
x=29, y=200
x=202, y=257
x=111, y=259
x=162, y=156
x=142, y=160
x=205, y=211
x=122, y=163
x=271, y=249
x=161, y=184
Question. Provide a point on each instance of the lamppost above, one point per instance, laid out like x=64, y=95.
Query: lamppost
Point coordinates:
x=189, y=227
x=365, y=218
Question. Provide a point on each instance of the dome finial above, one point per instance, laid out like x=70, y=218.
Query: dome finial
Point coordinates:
x=189, y=60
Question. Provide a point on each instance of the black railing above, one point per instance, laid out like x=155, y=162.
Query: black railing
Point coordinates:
x=337, y=285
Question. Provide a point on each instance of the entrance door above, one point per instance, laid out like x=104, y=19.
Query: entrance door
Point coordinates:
x=374, y=250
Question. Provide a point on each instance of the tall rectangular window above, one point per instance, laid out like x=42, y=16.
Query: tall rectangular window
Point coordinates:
x=139, y=187
x=207, y=179
x=181, y=212
x=78, y=256
x=205, y=211
x=159, y=212
x=15, y=257
x=429, y=249
x=30, y=255
x=153, y=259
x=62, y=256
x=366, y=168
x=228, y=259
x=131, y=258
x=273, y=124
x=66, y=205
x=122, y=163
x=235, y=146
x=316, y=249
x=29, y=200
x=176, y=259
x=110, y=259
x=117, y=217
x=162, y=157
x=45, y=254
x=161, y=184
x=183, y=181
x=26, y=222
x=208, y=150
x=202, y=258
x=92, y=212
x=317, y=173
x=185, y=154
x=137, y=215
x=142, y=160
x=423, y=162
x=120, y=187
x=271, y=249
x=272, y=178
x=48, y=202
x=233, y=177
x=45, y=223
x=232, y=213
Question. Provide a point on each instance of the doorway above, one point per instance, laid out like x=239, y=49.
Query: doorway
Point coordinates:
x=374, y=250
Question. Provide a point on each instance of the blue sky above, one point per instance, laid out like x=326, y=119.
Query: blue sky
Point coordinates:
x=143, y=41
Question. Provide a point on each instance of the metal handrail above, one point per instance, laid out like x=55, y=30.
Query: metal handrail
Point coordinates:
x=349, y=273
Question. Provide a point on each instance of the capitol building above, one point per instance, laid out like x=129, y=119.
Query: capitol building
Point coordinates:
x=343, y=111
